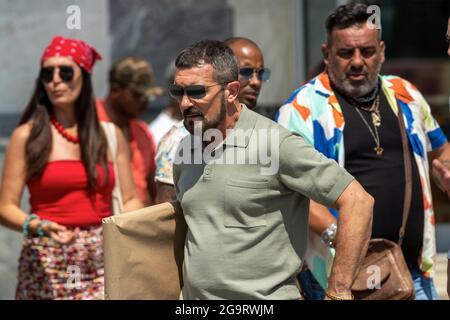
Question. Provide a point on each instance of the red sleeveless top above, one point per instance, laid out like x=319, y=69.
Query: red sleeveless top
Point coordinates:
x=61, y=194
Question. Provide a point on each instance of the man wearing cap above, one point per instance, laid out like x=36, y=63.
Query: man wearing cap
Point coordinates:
x=131, y=89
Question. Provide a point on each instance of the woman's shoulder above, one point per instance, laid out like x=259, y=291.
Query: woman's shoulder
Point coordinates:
x=19, y=137
x=22, y=132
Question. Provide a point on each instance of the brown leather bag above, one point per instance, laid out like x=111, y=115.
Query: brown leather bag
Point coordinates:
x=384, y=274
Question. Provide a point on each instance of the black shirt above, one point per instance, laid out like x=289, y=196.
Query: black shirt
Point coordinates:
x=384, y=177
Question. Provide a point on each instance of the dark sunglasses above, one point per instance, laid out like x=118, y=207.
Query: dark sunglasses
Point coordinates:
x=194, y=92
x=247, y=73
x=65, y=73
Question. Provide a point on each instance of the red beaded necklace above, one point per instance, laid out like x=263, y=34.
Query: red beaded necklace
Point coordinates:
x=58, y=126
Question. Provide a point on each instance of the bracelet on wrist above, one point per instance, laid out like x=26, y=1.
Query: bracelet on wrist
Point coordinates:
x=26, y=224
x=338, y=297
x=40, y=230
x=328, y=235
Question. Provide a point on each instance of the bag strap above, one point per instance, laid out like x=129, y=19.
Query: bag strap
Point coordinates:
x=110, y=132
x=408, y=175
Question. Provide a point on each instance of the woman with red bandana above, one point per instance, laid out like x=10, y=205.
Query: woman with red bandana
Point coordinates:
x=61, y=153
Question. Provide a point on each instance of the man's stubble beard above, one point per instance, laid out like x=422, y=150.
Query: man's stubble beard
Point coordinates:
x=344, y=85
x=209, y=124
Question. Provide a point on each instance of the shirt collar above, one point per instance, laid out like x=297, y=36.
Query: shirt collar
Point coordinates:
x=245, y=122
x=322, y=86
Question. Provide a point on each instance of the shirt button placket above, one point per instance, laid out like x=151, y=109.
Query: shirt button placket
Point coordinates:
x=207, y=172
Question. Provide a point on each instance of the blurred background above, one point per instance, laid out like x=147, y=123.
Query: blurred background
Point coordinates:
x=289, y=33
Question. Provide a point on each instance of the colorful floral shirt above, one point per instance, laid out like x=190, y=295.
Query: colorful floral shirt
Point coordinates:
x=314, y=112
x=166, y=152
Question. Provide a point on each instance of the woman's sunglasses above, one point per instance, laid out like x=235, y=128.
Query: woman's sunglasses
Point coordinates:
x=65, y=73
x=247, y=73
x=194, y=92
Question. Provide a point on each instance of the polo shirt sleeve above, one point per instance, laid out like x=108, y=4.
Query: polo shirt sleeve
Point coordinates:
x=305, y=170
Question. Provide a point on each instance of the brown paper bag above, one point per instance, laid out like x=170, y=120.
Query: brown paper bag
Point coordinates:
x=143, y=253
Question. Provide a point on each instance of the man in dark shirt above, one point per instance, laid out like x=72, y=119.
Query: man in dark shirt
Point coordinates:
x=349, y=113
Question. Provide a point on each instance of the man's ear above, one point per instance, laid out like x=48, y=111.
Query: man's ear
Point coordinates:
x=233, y=91
x=326, y=53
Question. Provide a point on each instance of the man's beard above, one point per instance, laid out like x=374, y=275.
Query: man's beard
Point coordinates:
x=344, y=84
x=206, y=124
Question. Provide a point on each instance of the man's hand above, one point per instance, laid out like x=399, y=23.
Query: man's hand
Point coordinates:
x=353, y=233
x=442, y=174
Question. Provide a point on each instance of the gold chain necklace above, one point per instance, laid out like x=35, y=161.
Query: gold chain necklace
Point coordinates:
x=376, y=120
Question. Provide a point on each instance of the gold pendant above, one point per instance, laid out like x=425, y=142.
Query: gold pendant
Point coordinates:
x=376, y=120
x=378, y=150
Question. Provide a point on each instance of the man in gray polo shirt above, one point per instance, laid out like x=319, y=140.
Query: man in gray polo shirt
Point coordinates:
x=244, y=184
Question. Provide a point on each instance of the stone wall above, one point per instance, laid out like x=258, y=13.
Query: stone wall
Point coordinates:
x=159, y=29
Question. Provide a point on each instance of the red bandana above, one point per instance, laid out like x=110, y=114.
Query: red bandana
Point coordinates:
x=82, y=53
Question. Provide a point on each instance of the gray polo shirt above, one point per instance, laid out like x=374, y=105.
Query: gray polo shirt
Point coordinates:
x=248, y=220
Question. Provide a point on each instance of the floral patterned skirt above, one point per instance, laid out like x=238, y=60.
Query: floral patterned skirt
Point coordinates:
x=49, y=270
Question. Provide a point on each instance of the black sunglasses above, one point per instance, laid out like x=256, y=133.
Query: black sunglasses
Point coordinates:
x=247, y=73
x=65, y=73
x=193, y=92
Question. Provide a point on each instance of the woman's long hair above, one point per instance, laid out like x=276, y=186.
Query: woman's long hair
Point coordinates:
x=92, y=140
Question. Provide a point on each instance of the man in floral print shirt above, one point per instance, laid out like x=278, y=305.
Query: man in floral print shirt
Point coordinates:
x=349, y=113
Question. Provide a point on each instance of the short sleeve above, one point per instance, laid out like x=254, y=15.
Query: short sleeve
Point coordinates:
x=305, y=170
x=434, y=134
x=296, y=117
x=166, y=154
